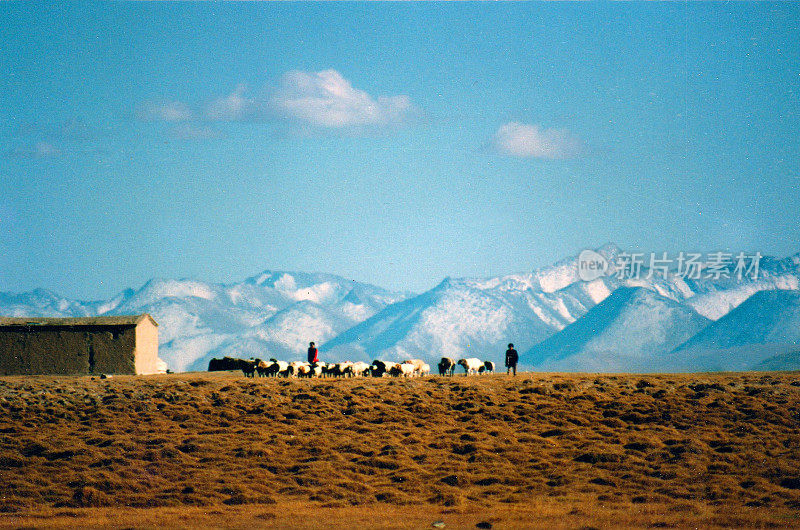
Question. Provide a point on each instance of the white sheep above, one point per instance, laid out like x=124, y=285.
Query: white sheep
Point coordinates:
x=417, y=364
x=295, y=367
x=339, y=369
x=317, y=369
x=403, y=369
x=471, y=365
x=357, y=369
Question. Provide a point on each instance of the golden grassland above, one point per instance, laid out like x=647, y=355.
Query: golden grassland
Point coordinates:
x=535, y=451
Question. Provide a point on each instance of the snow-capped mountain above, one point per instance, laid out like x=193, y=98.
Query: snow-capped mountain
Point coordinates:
x=453, y=319
x=479, y=317
x=628, y=331
x=461, y=317
x=761, y=333
x=476, y=317
x=276, y=313
x=270, y=314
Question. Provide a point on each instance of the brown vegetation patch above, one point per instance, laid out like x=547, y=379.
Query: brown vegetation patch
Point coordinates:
x=673, y=450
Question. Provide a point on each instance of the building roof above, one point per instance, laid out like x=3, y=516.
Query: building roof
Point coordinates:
x=121, y=320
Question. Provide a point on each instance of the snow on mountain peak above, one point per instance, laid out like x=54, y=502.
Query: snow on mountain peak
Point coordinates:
x=565, y=272
x=628, y=330
x=276, y=313
x=159, y=288
x=285, y=283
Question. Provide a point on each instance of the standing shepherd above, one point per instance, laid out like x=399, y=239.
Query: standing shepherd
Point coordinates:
x=511, y=359
x=312, y=354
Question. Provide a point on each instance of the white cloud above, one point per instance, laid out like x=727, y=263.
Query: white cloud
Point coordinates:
x=322, y=99
x=234, y=106
x=326, y=99
x=170, y=111
x=532, y=141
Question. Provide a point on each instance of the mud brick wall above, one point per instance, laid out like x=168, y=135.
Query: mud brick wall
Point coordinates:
x=29, y=350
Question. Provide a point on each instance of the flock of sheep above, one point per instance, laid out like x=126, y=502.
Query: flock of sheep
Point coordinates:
x=408, y=368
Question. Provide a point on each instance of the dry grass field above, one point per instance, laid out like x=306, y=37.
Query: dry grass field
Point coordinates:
x=538, y=450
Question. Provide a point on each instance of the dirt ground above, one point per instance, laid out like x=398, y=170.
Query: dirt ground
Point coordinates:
x=535, y=451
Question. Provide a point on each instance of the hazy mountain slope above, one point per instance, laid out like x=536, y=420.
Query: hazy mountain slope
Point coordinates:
x=784, y=361
x=628, y=331
x=759, y=332
x=41, y=302
x=767, y=317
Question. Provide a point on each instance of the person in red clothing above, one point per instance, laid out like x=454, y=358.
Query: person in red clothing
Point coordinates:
x=312, y=354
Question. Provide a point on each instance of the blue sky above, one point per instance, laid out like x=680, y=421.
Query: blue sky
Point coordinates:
x=390, y=143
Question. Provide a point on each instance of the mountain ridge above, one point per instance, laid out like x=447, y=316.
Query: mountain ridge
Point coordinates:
x=276, y=312
x=629, y=330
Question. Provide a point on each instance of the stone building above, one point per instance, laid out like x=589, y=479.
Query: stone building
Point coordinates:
x=87, y=345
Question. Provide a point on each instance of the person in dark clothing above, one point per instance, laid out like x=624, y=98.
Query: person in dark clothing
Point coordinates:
x=312, y=354
x=511, y=359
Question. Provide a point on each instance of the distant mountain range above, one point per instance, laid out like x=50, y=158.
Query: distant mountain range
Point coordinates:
x=631, y=330
x=763, y=332
x=273, y=314
x=556, y=320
